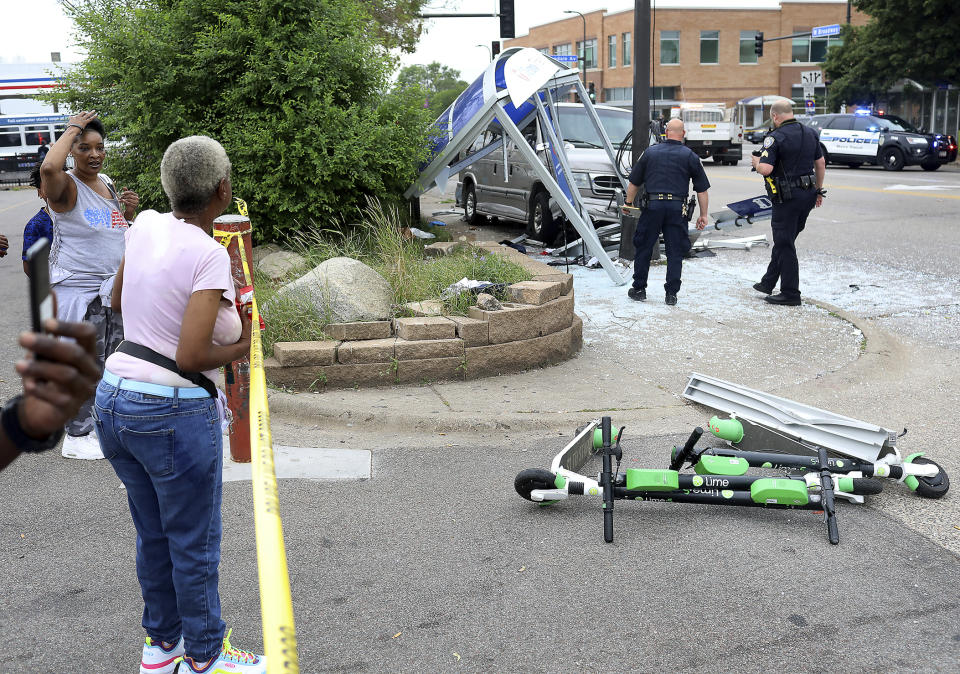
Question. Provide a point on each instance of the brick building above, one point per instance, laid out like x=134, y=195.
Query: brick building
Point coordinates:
x=699, y=54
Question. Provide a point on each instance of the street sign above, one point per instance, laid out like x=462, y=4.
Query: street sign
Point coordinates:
x=811, y=77
x=567, y=58
x=810, y=106
x=808, y=91
x=826, y=31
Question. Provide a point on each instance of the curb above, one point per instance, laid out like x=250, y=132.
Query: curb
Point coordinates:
x=882, y=353
x=659, y=420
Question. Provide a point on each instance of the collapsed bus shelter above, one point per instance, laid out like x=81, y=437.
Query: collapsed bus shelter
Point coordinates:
x=520, y=87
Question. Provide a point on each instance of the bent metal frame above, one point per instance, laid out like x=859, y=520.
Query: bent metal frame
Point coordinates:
x=509, y=96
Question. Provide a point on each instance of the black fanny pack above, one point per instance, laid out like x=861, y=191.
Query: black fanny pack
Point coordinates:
x=149, y=355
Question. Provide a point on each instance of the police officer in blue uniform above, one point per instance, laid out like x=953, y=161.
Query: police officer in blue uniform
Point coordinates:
x=793, y=168
x=665, y=170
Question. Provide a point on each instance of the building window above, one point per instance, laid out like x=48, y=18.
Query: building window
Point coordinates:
x=812, y=50
x=611, y=51
x=589, y=58
x=709, y=46
x=618, y=94
x=662, y=93
x=9, y=136
x=625, y=94
x=544, y=50
x=562, y=50
x=748, y=43
x=627, y=50
x=669, y=47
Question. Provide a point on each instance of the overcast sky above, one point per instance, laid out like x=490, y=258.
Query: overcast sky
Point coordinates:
x=34, y=28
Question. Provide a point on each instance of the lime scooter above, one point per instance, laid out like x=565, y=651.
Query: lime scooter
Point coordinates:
x=920, y=474
x=719, y=479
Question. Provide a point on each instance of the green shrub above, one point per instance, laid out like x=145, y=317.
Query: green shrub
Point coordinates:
x=297, y=91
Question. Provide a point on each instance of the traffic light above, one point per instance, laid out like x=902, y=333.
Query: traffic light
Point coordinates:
x=507, y=28
x=495, y=48
x=592, y=91
x=758, y=44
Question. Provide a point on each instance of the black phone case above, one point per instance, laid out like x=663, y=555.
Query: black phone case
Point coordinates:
x=41, y=301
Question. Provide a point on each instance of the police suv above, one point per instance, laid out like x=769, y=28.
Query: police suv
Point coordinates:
x=856, y=139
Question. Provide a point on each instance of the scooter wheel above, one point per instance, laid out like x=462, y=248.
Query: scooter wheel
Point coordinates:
x=533, y=478
x=932, y=487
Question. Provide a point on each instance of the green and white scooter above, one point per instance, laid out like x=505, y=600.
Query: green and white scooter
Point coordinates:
x=719, y=479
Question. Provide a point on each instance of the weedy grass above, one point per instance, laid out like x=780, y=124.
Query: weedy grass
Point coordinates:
x=378, y=241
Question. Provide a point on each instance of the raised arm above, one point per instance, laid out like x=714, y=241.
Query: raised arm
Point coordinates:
x=60, y=191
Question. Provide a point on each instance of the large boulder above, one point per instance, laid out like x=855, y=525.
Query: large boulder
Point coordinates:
x=343, y=290
x=281, y=264
x=261, y=251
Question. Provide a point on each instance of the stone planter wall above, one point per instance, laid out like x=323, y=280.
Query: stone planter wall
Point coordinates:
x=538, y=328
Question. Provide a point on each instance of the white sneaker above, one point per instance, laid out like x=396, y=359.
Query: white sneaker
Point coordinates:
x=230, y=660
x=81, y=446
x=158, y=660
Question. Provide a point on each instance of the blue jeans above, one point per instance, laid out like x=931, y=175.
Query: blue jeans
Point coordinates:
x=168, y=452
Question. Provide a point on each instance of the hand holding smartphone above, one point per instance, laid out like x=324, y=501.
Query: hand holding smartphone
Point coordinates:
x=41, y=299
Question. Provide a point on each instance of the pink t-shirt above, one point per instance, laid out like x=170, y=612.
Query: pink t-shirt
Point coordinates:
x=166, y=261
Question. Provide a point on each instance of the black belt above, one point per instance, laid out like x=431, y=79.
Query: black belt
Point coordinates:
x=660, y=196
x=808, y=182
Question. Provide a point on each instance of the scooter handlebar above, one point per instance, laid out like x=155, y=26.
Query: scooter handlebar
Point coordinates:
x=681, y=457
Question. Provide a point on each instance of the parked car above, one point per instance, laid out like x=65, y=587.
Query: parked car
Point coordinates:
x=857, y=139
x=945, y=142
x=756, y=134
x=520, y=196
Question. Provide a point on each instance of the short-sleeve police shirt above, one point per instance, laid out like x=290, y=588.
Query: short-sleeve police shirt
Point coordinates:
x=668, y=167
x=794, y=145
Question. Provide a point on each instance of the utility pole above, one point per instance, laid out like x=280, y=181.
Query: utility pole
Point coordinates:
x=641, y=78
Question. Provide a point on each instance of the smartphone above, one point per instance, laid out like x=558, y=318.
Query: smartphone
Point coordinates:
x=41, y=301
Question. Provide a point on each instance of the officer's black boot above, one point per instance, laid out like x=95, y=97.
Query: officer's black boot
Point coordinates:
x=783, y=300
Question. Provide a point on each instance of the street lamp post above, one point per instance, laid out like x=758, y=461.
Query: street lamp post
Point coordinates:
x=584, y=43
x=487, y=47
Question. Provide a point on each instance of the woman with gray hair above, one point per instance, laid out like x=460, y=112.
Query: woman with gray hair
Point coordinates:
x=158, y=412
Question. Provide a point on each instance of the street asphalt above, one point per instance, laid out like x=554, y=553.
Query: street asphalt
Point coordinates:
x=435, y=564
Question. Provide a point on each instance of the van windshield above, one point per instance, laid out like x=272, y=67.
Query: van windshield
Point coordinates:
x=578, y=129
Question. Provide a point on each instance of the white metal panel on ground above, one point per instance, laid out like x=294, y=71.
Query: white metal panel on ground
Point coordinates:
x=797, y=424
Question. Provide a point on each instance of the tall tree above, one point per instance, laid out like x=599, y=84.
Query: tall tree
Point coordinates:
x=439, y=84
x=397, y=22
x=916, y=39
x=295, y=90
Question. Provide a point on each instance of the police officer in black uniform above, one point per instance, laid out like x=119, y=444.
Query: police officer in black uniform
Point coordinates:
x=793, y=168
x=665, y=170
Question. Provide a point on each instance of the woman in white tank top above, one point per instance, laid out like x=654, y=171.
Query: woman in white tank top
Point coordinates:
x=89, y=222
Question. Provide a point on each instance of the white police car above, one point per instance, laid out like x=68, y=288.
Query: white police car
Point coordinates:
x=856, y=139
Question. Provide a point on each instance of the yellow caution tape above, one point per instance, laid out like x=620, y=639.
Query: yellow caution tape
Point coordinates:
x=276, y=605
x=225, y=238
x=242, y=207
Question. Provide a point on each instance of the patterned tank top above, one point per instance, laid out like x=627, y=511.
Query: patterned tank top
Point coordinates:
x=87, y=240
